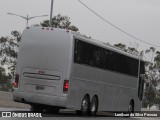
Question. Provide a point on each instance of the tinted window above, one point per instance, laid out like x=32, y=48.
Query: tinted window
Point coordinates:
x=95, y=56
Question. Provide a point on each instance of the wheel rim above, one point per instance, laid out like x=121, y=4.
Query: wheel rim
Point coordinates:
x=85, y=105
x=93, y=107
x=130, y=108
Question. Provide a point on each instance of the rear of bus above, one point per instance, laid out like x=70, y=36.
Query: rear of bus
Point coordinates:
x=43, y=69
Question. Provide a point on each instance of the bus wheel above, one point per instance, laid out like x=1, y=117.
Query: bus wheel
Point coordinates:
x=94, y=106
x=131, y=107
x=85, y=105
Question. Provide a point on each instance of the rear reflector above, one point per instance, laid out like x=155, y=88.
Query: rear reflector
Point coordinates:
x=15, y=84
x=65, y=86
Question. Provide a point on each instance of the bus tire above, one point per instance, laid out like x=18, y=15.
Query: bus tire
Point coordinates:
x=85, y=106
x=131, y=107
x=94, y=106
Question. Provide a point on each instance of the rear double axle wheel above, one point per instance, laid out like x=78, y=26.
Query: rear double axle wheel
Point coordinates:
x=94, y=106
x=87, y=107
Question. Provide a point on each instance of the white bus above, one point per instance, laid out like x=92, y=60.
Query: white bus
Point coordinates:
x=60, y=69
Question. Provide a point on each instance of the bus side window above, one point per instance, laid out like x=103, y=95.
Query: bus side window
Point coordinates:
x=123, y=64
x=78, y=51
x=98, y=57
x=87, y=54
x=112, y=61
x=107, y=59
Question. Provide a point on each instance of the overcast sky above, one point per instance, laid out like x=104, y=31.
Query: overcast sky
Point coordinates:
x=140, y=18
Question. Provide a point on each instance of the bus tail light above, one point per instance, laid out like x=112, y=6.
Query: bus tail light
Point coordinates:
x=15, y=84
x=65, y=86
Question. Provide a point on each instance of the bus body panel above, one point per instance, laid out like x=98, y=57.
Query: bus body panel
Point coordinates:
x=42, y=65
x=105, y=84
x=32, y=98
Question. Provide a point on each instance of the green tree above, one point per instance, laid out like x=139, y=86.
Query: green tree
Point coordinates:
x=158, y=101
x=157, y=60
x=133, y=50
x=150, y=97
x=60, y=21
x=152, y=76
x=121, y=46
x=8, y=57
x=5, y=84
x=153, y=66
x=9, y=49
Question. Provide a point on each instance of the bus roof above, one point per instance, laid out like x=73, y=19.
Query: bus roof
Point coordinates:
x=89, y=40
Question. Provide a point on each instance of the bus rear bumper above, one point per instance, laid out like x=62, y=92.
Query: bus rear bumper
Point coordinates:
x=31, y=98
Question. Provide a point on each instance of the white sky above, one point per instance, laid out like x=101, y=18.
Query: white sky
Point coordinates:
x=140, y=18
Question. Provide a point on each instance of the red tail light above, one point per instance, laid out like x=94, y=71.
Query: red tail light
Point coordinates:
x=15, y=84
x=65, y=86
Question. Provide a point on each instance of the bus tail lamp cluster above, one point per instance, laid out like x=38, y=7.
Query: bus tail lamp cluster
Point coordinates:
x=15, y=84
x=65, y=86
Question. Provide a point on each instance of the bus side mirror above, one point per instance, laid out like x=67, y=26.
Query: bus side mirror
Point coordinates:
x=142, y=76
